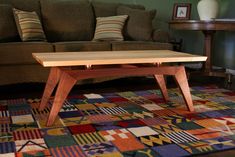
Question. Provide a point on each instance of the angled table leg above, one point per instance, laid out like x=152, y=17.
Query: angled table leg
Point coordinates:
x=65, y=85
x=52, y=81
x=162, y=85
x=182, y=81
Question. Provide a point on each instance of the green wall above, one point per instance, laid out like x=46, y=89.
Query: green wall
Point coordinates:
x=224, y=42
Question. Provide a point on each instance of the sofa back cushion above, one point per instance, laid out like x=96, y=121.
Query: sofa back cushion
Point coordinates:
x=8, y=30
x=139, y=24
x=27, y=5
x=68, y=20
x=105, y=9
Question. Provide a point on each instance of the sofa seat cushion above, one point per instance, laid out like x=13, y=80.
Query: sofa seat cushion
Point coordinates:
x=68, y=20
x=82, y=46
x=8, y=30
x=140, y=45
x=21, y=52
x=23, y=73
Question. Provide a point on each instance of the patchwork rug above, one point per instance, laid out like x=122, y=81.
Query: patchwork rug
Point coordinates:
x=125, y=124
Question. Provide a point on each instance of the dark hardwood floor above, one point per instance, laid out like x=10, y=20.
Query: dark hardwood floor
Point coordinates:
x=35, y=90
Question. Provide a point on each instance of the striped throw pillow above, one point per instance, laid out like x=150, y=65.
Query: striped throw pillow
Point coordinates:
x=109, y=28
x=29, y=26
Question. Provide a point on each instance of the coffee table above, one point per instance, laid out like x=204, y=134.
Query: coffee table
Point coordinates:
x=69, y=67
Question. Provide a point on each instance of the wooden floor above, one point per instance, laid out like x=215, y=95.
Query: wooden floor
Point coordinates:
x=35, y=90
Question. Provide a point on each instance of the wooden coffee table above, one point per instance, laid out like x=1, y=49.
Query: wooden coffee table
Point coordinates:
x=69, y=67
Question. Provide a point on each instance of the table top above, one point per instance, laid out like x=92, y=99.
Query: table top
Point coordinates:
x=220, y=24
x=113, y=57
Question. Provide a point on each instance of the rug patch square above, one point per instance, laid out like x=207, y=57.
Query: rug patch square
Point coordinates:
x=120, y=136
x=213, y=114
x=57, y=131
x=85, y=106
x=22, y=119
x=99, y=148
x=40, y=153
x=75, y=121
x=30, y=145
x=5, y=120
x=166, y=128
x=141, y=153
x=142, y=131
x=106, y=105
x=68, y=107
x=101, y=118
x=205, y=133
x=76, y=129
x=221, y=143
x=152, y=107
x=59, y=141
x=171, y=150
x=180, y=137
x=155, y=140
x=6, y=137
x=70, y=114
x=24, y=126
x=5, y=128
x=197, y=147
x=208, y=123
x=188, y=126
x=154, y=121
x=93, y=96
x=67, y=151
x=113, y=154
x=131, y=123
x=27, y=134
x=113, y=110
x=7, y=147
x=42, y=121
x=89, y=138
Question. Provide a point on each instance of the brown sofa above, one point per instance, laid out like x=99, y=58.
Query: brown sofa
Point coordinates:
x=69, y=26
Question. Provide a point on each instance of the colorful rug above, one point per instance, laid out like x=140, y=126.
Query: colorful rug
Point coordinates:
x=125, y=124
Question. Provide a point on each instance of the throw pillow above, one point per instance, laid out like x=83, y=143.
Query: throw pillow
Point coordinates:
x=109, y=28
x=139, y=24
x=29, y=26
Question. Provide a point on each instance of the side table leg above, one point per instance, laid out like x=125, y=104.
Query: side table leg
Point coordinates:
x=162, y=85
x=65, y=85
x=182, y=81
x=52, y=81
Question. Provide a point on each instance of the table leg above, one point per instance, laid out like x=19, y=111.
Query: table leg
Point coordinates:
x=52, y=81
x=208, y=35
x=66, y=83
x=162, y=85
x=182, y=81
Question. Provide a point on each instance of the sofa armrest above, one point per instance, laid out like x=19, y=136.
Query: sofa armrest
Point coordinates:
x=161, y=36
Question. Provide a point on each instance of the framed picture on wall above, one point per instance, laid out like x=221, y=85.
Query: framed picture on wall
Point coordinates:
x=181, y=11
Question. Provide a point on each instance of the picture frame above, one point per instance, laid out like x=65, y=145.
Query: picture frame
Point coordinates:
x=181, y=11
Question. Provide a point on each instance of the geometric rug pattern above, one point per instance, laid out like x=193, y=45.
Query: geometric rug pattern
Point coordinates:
x=121, y=124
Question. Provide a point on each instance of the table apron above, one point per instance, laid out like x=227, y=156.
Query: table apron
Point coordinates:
x=106, y=72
